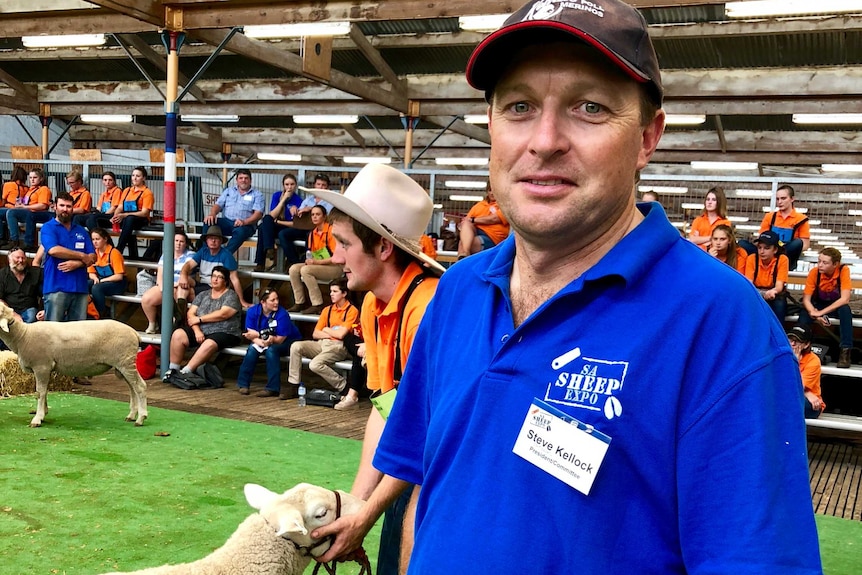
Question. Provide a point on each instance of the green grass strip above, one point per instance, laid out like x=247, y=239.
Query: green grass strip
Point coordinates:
x=88, y=493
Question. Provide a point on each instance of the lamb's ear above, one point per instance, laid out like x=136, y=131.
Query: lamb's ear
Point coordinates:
x=290, y=522
x=4, y=324
x=258, y=497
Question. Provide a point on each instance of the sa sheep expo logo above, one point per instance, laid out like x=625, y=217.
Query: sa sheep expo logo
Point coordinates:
x=587, y=383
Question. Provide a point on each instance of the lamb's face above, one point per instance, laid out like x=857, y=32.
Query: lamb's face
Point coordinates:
x=299, y=511
x=6, y=316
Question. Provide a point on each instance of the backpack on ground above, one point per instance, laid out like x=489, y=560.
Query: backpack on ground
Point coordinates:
x=322, y=397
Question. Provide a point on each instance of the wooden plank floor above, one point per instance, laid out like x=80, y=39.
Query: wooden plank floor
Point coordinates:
x=226, y=402
x=835, y=466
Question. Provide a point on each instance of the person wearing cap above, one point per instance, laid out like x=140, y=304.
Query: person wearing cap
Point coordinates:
x=482, y=228
x=212, y=254
x=768, y=271
x=792, y=227
x=378, y=223
x=241, y=207
x=827, y=292
x=543, y=428
x=809, y=368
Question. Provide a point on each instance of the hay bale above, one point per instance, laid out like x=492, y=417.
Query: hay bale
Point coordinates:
x=13, y=381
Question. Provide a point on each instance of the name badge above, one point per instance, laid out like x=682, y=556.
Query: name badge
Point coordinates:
x=273, y=323
x=79, y=245
x=561, y=446
x=248, y=197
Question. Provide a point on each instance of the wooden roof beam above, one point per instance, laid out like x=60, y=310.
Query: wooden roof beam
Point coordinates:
x=149, y=11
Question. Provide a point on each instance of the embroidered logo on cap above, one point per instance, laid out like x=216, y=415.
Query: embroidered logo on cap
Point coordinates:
x=548, y=9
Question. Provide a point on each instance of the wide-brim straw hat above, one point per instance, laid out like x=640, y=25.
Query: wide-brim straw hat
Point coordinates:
x=390, y=203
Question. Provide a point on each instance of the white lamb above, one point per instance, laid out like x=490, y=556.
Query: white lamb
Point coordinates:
x=76, y=348
x=275, y=541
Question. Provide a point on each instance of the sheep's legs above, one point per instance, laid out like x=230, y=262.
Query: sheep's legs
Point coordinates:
x=42, y=403
x=137, y=394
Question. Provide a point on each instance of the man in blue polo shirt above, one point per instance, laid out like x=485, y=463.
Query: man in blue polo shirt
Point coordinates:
x=579, y=416
x=68, y=252
x=241, y=207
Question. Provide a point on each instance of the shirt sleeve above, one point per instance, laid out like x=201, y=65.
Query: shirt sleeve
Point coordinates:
x=783, y=268
x=148, y=200
x=810, y=288
x=118, y=264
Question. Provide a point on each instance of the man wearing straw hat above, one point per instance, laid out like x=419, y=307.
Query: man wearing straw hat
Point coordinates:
x=378, y=222
x=549, y=430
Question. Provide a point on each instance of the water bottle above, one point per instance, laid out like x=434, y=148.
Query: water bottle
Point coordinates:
x=301, y=401
x=308, y=255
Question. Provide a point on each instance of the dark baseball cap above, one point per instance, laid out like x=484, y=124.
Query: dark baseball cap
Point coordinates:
x=611, y=26
x=800, y=332
x=768, y=237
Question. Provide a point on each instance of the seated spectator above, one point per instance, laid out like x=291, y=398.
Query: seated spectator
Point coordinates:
x=212, y=324
x=482, y=228
x=241, y=207
x=358, y=378
x=650, y=196
x=108, y=274
x=792, y=227
x=318, y=265
x=100, y=215
x=714, y=214
x=271, y=333
x=133, y=210
x=151, y=301
x=279, y=221
x=723, y=246
x=13, y=192
x=827, y=292
x=321, y=182
x=83, y=201
x=33, y=209
x=336, y=321
x=428, y=245
x=207, y=258
x=809, y=366
x=768, y=271
x=21, y=286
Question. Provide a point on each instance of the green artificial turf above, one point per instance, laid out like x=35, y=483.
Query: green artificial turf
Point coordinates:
x=840, y=545
x=89, y=493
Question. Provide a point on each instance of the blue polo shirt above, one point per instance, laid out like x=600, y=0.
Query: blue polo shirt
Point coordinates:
x=277, y=323
x=312, y=201
x=76, y=238
x=679, y=361
x=294, y=201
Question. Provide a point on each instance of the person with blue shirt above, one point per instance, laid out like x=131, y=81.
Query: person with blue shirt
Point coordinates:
x=550, y=431
x=321, y=182
x=283, y=207
x=241, y=207
x=271, y=333
x=68, y=252
x=207, y=258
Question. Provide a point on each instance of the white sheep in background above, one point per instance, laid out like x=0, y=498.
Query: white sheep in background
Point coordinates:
x=275, y=541
x=76, y=348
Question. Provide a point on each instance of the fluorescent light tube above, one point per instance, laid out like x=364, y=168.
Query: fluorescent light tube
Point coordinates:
x=684, y=119
x=466, y=184
x=65, y=41
x=738, y=219
x=457, y=198
x=723, y=166
x=663, y=189
x=841, y=167
x=279, y=157
x=326, y=119
x=476, y=118
x=367, y=160
x=209, y=118
x=267, y=31
x=691, y=206
x=763, y=8
x=835, y=119
x=461, y=161
x=753, y=193
x=482, y=23
x=106, y=118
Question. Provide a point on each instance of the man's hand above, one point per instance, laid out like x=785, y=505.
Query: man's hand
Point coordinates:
x=238, y=223
x=89, y=259
x=349, y=532
x=209, y=219
x=69, y=265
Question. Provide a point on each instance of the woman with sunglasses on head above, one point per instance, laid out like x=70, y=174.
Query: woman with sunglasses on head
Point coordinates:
x=271, y=333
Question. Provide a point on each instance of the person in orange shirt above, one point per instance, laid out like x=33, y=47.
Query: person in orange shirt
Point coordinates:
x=318, y=265
x=792, y=228
x=723, y=246
x=83, y=199
x=101, y=212
x=809, y=368
x=827, y=292
x=13, y=191
x=714, y=214
x=768, y=271
x=132, y=212
x=33, y=209
x=108, y=274
x=482, y=228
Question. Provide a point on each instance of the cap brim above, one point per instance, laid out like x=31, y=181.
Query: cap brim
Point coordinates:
x=347, y=206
